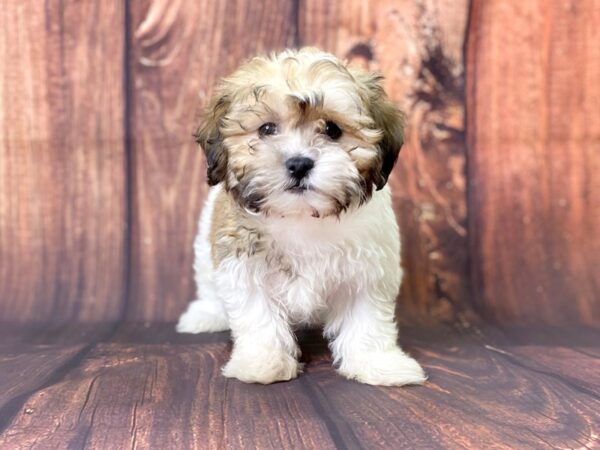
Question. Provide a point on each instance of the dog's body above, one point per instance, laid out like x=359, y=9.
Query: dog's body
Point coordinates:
x=293, y=233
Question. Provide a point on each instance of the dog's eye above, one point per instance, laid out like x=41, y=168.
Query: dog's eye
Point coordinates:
x=332, y=130
x=267, y=129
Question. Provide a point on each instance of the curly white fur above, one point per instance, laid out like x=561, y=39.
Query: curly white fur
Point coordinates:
x=275, y=252
x=345, y=276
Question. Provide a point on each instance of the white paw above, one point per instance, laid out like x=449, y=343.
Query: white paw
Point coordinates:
x=265, y=367
x=203, y=316
x=384, y=368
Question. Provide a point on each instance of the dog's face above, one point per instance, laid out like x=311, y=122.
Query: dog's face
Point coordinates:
x=300, y=133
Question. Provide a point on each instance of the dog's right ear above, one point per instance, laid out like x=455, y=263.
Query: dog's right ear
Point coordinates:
x=210, y=138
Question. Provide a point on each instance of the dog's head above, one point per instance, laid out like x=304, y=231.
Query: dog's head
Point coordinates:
x=300, y=133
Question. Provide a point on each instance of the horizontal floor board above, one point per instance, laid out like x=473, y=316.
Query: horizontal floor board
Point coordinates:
x=33, y=357
x=146, y=386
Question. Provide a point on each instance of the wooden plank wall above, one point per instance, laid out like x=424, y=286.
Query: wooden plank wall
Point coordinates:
x=101, y=183
x=417, y=46
x=62, y=161
x=177, y=54
x=179, y=50
x=534, y=159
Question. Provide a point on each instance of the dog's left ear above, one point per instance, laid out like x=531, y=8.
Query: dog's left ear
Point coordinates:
x=388, y=118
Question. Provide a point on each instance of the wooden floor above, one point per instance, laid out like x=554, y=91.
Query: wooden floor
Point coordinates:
x=136, y=386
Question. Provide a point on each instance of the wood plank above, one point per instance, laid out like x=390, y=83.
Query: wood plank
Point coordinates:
x=179, y=51
x=573, y=354
x=475, y=397
x=62, y=202
x=152, y=388
x=534, y=154
x=417, y=46
x=33, y=357
x=148, y=387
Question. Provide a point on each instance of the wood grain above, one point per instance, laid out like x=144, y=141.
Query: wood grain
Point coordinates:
x=534, y=155
x=179, y=50
x=417, y=46
x=576, y=348
x=62, y=203
x=33, y=357
x=147, y=393
x=479, y=395
x=148, y=387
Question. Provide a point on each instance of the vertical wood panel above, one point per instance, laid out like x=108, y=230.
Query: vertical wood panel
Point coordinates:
x=417, y=46
x=62, y=203
x=534, y=159
x=179, y=51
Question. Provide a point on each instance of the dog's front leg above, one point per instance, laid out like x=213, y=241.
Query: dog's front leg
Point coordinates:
x=364, y=341
x=264, y=347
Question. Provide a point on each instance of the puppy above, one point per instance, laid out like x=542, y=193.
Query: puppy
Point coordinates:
x=298, y=228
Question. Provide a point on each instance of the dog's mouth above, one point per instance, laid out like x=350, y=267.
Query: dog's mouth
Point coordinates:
x=297, y=188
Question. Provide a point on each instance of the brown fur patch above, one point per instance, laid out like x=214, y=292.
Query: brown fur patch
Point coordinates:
x=300, y=91
x=231, y=232
x=387, y=118
x=210, y=138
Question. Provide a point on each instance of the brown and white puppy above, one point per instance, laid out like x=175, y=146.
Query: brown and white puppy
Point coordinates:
x=298, y=228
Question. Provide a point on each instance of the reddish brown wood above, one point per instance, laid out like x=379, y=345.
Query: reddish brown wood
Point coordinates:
x=479, y=395
x=33, y=357
x=534, y=207
x=62, y=184
x=147, y=387
x=179, y=51
x=575, y=349
x=417, y=46
x=534, y=158
x=138, y=391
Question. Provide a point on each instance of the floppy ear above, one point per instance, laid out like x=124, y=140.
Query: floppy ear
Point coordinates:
x=210, y=138
x=388, y=118
x=391, y=121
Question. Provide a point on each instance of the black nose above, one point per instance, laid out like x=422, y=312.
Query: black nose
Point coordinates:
x=299, y=166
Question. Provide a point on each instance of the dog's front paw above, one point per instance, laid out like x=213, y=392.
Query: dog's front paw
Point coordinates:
x=385, y=368
x=263, y=367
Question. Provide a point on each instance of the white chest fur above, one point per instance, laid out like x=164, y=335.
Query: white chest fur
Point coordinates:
x=309, y=263
x=343, y=273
